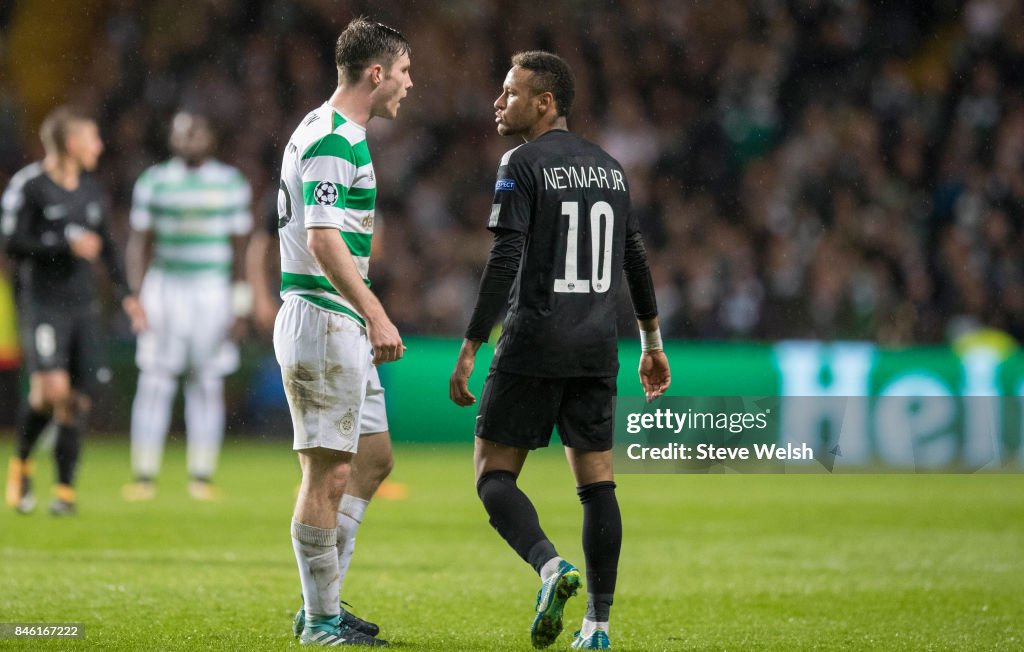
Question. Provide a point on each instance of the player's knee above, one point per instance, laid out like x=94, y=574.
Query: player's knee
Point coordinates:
x=49, y=391
x=328, y=474
x=58, y=397
x=330, y=485
x=157, y=383
x=492, y=481
x=595, y=491
x=37, y=401
x=211, y=384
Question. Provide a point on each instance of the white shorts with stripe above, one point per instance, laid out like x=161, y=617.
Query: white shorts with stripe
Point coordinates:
x=333, y=390
x=189, y=322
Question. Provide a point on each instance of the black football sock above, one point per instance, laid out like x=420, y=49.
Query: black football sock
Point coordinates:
x=30, y=425
x=602, y=539
x=66, y=452
x=514, y=517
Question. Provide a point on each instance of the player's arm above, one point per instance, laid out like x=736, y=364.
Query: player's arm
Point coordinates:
x=137, y=254
x=510, y=222
x=139, y=250
x=334, y=258
x=258, y=264
x=654, y=370
x=18, y=223
x=119, y=281
x=241, y=228
x=334, y=161
x=495, y=284
x=265, y=304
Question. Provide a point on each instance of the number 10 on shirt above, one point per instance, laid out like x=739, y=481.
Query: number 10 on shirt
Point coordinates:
x=602, y=223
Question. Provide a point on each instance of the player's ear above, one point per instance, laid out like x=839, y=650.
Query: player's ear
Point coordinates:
x=545, y=102
x=376, y=74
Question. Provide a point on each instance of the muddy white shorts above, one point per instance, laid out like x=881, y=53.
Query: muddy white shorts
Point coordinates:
x=333, y=390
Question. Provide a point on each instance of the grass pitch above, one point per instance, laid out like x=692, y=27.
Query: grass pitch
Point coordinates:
x=727, y=562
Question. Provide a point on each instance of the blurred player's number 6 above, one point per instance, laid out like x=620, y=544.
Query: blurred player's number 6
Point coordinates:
x=602, y=222
x=46, y=340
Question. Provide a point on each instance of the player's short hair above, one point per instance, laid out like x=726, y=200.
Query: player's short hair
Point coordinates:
x=551, y=74
x=364, y=43
x=54, y=130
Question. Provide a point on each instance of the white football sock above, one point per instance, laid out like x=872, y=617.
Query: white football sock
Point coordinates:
x=317, y=555
x=589, y=627
x=151, y=416
x=350, y=515
x=204, y=424
x=549, y=568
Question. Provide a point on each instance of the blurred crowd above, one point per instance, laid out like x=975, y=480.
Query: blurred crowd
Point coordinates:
x=801, y=168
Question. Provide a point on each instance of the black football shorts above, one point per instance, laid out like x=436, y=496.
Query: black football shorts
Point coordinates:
x=522, y=411
x=58, y=337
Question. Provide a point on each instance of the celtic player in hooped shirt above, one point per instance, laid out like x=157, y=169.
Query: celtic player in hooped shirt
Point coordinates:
x=192, y=213
x=331, y=329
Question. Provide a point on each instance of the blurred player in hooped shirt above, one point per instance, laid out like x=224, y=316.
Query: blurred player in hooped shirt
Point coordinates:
x=190, y=217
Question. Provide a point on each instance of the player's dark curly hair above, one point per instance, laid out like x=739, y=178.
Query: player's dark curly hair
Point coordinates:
x=364, y=43
x=551, y=74
x=54, y=130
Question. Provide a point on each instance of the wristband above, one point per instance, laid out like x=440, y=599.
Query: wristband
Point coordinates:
x=73, y=232
x=650, y=341
x=241, y=299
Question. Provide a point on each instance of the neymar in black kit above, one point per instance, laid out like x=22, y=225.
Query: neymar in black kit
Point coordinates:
x=564, y=239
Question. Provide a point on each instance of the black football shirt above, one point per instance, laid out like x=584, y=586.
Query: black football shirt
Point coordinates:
x=38, y=216
x=571, y=200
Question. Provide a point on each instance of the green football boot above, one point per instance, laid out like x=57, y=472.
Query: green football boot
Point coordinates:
x=331, y=632
x=347, y=618
x=551, y=599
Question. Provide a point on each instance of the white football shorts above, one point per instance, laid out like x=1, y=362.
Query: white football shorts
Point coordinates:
x=189, y=319
x=333, y=390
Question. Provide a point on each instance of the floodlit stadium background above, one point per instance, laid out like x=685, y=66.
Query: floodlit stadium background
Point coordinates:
x=821, y=171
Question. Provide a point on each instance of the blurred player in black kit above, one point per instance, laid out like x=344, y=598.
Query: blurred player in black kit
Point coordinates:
x=55, y=227
x=564, y=238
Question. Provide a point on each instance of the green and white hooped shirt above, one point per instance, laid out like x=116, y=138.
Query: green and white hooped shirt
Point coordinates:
x=193, y=213
x=327, y=180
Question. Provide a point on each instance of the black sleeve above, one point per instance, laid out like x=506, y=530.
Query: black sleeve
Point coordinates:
x=269, y=211
x=513, y=195
x=499, y=274
x=112, y=261
x=638, y=277
x=20, y=217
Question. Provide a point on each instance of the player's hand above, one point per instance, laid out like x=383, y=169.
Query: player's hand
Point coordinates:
x=385, y=341
x=458, y=384
x=264, y=313
x=136, y=314
x=654, y=374
x=86, y=244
